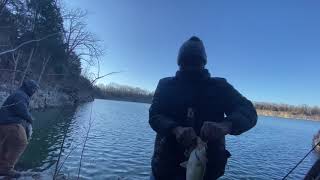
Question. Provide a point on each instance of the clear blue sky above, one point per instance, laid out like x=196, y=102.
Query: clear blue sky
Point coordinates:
x=268, y=49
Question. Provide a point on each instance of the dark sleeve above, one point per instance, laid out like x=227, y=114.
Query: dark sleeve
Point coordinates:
x=239, y=110
x=20, y=108
x=158, y=119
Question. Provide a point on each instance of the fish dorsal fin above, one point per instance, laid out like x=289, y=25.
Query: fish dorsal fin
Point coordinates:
x=184, y=164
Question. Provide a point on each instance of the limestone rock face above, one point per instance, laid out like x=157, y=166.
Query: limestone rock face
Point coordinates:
x=48, y=97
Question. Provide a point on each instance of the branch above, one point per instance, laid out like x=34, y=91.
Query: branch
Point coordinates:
x=85, y=142
x=51, y=74
x=11, y=70
x=25, y=43
x=44, y=64
x=60, y=154
x=100, y=77
x=28, y=64
x=66, y=158
x=19, y=71
x=2, y=5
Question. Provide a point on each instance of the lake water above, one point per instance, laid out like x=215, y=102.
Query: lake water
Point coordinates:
x=120, y=144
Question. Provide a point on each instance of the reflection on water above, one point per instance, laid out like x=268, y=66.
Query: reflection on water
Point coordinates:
x=120, y=144
x=48, y=130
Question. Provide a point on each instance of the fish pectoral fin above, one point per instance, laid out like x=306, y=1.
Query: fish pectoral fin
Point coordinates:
x=184, y=164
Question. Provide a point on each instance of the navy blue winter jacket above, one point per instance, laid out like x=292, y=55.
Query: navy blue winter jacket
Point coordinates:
x=15, y=108
x=212, y=99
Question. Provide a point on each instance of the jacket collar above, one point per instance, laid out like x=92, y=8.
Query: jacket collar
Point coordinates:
x=193, y=75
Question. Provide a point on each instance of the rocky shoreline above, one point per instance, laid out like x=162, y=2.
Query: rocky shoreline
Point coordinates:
x=50, y=97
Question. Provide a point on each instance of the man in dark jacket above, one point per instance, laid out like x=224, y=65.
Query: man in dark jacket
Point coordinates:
x=194, y=104
x=15, y=119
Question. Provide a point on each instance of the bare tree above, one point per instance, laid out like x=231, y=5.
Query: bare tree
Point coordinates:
x=79, y=39
x=83, y=42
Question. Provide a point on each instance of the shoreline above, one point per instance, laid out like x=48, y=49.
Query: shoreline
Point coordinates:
x=267, y=113
x=54, y=98
x=286, y=115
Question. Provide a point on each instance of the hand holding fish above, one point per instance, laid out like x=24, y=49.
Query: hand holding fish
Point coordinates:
x=185, y=136
x=212, y=130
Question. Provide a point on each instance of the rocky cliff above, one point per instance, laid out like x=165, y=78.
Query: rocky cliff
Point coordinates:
x=49, y=97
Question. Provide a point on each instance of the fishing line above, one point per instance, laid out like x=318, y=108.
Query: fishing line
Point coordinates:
x=285, y=177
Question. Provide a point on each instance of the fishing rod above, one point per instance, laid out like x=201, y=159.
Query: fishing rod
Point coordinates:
x=285, y=177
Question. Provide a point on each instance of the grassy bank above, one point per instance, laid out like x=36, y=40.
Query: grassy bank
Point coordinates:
x=287, y=115
x=288, y=111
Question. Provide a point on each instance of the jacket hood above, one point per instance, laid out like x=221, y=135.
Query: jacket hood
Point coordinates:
x=29, y=87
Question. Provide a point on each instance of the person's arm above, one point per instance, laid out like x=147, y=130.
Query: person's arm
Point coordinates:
x=20, y=108
x=240, y=112
x=158, y=120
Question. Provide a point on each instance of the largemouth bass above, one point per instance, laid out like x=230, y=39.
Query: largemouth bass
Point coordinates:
x=196, y=164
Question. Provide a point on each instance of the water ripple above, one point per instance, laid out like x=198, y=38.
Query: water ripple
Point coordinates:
x=120, y=144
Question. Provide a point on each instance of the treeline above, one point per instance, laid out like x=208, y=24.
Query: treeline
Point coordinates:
x=127, y=93
x=41, y=40
x=115, y=91
x=301, y=111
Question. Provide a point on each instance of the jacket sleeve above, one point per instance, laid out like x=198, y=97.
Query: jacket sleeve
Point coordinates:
x=20, y=108
x=239, y=110
x=158, y=119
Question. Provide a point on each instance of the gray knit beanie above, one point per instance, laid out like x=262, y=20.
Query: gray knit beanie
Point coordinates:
x=30, y=87
x=192, y=53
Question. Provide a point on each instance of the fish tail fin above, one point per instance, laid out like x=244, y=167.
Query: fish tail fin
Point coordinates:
x=184, y=164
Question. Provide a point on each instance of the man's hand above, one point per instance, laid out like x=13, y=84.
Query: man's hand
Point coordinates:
x=185, y=136
x=213, y=131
